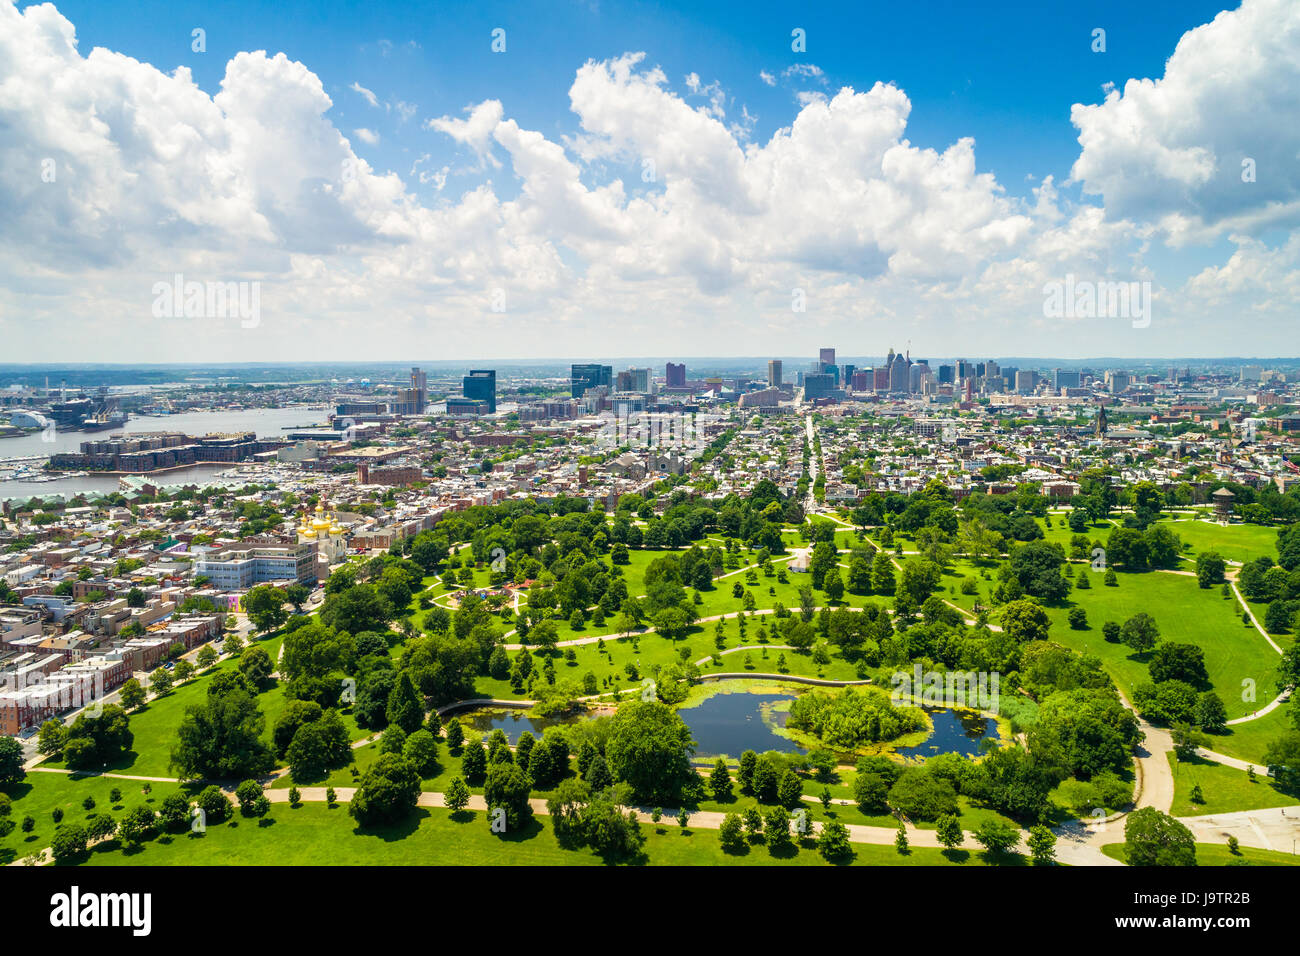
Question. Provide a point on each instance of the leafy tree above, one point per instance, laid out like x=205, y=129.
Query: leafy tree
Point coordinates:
x=1152, y=838
x=996, y=837
x=216, y=806
x=1210, y=712
x=745, y=775
x=1282, y=758
x=256, y=666
x=921, y=795
x=1036, y=566
x=296, y=714
x=160, y=682
x=509, y=787
x=949, y=831
x=392, y=740
x=52, y=736
x=264, y=606
x=388, y=791
x=457, y=795
x=789, y=790
x=297, y=594
x=720, y=781
x=1025, y=620
x=371, y=705
x=1140, y=632
x=421, y=749
x=473, y=762
x=139, y=824
x=174, y=813
x=777, y=826
x=68, y=845
x=131, y=694
x=900, y=840
x=649, y=747
x=247, y=793
x=1210, y=568
x=833, y=841
x=731, y=833
x=455, y=734
x=1184, y=662
x=1042, y=845
x=222, y=736
x=405, y=709
x=94, y=740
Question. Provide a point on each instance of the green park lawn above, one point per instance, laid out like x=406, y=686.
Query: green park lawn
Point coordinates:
x=1184, y=613
x=1236, y=542
x=315, y=835
x=648, y=650
x=41, y=792
x=1250, y=740
x=1218, y=854
x=1225, y=789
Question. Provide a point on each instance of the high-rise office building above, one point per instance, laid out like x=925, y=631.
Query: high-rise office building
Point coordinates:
x=774, y=373
x=481, y=384
x=420, y=382
x=827, y=357
x=1117, y=382
x=899, y=374
x=817, y=385
x=583, y=377
x=675, y=375
x=1065, y=378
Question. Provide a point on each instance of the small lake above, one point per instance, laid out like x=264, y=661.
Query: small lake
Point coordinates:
x=513, y=722
x=955, y=732
x=730, y=724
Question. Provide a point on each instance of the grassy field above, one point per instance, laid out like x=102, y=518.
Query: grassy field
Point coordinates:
x=1218, y=854
x=315, y=835
x=154, y=725
x=1250, y=740
x=1184, y=613
x=41, y=793
x=1225, y=789
x=1236, y=542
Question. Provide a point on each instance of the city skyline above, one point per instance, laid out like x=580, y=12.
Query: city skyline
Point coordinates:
x=590, y=196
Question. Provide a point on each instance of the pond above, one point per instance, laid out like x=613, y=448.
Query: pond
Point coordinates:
x=513, y=722
x=955, y=732
x=730, y=724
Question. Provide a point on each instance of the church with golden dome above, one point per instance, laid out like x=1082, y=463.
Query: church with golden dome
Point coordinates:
x=325, y=532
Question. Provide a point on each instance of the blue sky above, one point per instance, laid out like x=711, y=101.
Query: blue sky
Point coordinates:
x=1005, y=74
x=520, y=176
